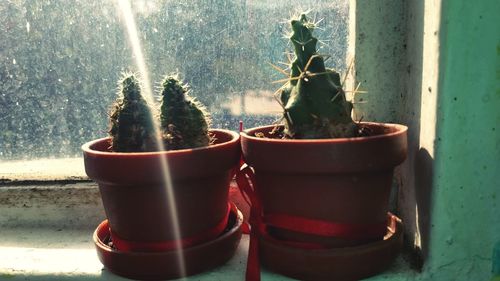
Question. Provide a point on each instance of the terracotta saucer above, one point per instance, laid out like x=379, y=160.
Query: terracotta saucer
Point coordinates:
x=164, y=265
x=343, y=264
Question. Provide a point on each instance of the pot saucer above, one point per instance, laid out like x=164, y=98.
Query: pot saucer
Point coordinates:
x=164, y=265
x=349, y=263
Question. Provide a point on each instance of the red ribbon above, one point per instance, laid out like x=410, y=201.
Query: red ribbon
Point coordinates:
x=326, y=228
x=246, y=183
x=162, y=246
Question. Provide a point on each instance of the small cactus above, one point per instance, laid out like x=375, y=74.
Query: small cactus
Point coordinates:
x=183, y=120
x=132, y=127
x=314, y=102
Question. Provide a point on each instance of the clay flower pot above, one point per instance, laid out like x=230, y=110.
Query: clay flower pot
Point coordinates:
x=132, y=187
x=323, y=193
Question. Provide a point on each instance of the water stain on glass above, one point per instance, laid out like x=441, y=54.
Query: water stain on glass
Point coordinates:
x=60, y=61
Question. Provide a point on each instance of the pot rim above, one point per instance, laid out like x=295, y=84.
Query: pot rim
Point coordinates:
x=400, y=130
x=87, y=147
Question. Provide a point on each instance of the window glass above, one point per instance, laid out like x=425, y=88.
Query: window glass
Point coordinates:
x=60, y=60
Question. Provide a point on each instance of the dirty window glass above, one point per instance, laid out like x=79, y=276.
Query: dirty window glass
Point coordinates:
x=60, y=60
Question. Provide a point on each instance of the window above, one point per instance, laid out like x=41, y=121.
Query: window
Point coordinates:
x=60, y=62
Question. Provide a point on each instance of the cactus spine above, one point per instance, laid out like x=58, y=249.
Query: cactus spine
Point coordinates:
x=314, y=102
x=183, y=120
x=132, y=127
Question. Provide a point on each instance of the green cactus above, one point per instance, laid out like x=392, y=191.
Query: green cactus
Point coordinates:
x=132, y=127
x=314, y=102
x=183, y=120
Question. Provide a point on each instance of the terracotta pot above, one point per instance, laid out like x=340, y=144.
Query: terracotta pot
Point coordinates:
x=132, y=187
x=340, y=181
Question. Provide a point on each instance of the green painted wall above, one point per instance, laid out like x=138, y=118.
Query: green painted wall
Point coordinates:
x=466, y=197
x=443, y=81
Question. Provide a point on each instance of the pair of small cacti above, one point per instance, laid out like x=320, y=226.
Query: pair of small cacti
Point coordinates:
x=183, y=120
x=314, y=104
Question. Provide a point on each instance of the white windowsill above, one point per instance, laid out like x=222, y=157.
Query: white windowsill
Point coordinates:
x=61, y=169
x=47, y=220
x=48, y=254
